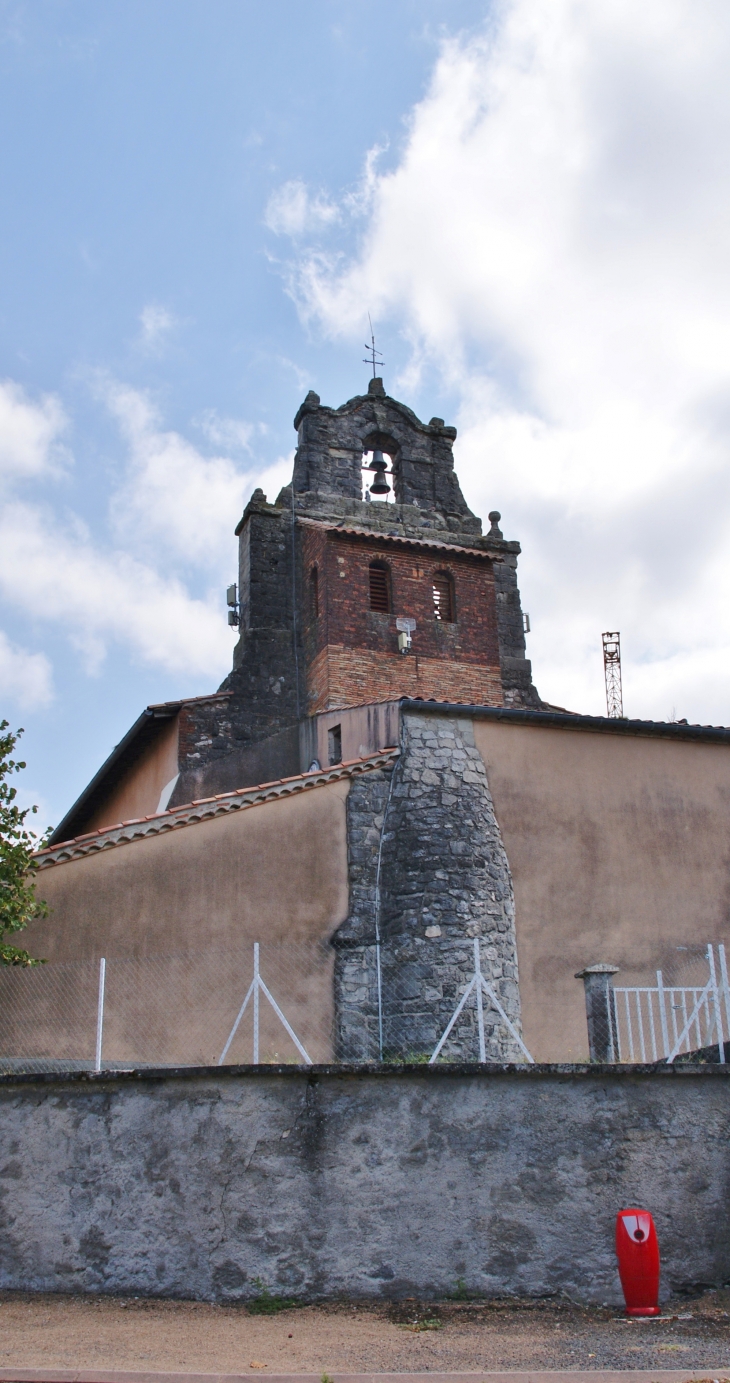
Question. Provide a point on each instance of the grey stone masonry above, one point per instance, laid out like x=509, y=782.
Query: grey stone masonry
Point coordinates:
x=516, y=668
x=265, y=683
x=356, y=1035
x=428, y=874
x=328, y=461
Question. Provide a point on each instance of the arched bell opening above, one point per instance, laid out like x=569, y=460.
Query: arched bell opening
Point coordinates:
x=379, y=469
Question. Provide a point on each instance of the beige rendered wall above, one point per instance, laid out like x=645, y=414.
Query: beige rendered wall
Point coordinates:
x=275, y=873
x=139, y=791
x=620, y=852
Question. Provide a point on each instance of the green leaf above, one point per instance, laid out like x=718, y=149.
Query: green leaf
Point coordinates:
x=18, y=845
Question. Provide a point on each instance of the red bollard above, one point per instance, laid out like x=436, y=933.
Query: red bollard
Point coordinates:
x=637, y=1250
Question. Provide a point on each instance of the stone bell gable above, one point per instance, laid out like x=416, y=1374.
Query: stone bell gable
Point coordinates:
x=328, y=461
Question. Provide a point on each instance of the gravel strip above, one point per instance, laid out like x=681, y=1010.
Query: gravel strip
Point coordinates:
x=54, y=1331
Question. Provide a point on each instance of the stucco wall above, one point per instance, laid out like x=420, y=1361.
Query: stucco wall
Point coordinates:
x=138, y=794
x=619, y=850
x=275, y=873
x=393, y=1183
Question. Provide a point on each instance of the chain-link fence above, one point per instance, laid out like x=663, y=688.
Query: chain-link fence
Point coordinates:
x=169, y=1010
x=447, y=999
x=270, y=1003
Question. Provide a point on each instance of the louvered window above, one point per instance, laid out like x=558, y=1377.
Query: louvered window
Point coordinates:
x=379, y=588
x=314, y=592
x=443, y=597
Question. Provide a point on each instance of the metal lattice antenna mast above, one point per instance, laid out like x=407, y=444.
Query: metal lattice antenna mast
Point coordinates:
x=612, y=672
x=372, y=353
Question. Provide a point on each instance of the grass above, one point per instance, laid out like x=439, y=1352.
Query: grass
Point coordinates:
x=266, y=1303
x=461, y=1291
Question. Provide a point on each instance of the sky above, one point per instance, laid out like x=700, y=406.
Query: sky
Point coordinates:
x=201, y=202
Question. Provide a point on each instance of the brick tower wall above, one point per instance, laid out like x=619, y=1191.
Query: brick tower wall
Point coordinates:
x=351, y=651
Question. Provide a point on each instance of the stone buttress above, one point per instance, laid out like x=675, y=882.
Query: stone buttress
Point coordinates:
x=428, y=874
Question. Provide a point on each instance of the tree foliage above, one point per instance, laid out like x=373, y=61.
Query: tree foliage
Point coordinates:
x=18, y=903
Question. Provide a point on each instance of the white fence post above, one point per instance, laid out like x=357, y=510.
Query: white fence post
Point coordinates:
x=480, y=1004
x=716, y=1004
x=662, y=1012
x=256, y=987
x=725, y=986
x=100, y=1014
x=256, y=982
x=479, y=983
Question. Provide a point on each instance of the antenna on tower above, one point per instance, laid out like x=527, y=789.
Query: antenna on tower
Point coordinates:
x=372, y=353
x=612, y=673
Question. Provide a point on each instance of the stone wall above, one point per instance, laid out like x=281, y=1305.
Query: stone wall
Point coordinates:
x=328, y=459
x=517, y=685
x=384, y=1183
x=428, y=875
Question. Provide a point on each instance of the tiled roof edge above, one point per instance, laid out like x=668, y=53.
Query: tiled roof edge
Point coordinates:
x=440, y=544
x=108, y=837
x=569, y=720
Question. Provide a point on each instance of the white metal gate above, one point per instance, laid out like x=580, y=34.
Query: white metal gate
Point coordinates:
x=661, y=1022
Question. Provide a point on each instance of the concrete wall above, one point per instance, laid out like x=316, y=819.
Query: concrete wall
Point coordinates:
x=363, y=730
x=392, y=1183
x=619, y=851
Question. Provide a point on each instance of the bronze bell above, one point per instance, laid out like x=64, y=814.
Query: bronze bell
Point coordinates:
x=378, y=464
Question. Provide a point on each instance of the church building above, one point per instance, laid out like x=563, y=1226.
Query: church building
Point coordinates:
x=377, y=793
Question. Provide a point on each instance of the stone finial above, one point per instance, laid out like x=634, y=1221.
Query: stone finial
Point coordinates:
x=376, y=386
x=495, y=531
x=597, y=970
x=258, y=496
x=436, y=422
x=310, y=405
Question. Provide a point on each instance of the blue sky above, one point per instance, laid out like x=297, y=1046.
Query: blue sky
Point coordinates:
x=200, y=203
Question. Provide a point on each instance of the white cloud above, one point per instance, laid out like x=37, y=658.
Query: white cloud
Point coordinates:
x=292, y=210
x=59, y=574
x=172, y=509
x=232, y=433
x=156, y=323
x=25, y=678
x=171, y=496
x=554, y=240
x=29, y=434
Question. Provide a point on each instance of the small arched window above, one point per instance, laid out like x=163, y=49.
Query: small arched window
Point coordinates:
x=379, y=588
x=314, y=592
x=443, y=597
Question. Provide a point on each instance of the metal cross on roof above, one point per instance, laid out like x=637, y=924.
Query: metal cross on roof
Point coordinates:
x=371, y=358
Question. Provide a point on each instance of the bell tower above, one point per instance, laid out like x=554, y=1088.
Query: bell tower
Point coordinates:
x=347, y=598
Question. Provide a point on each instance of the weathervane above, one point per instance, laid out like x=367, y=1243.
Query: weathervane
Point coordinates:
x=371, y=358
